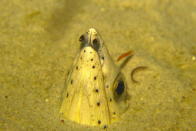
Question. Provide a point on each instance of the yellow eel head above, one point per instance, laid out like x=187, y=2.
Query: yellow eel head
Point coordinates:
x=95, y=91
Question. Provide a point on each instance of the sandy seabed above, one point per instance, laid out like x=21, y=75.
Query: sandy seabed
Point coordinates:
x=39, y=40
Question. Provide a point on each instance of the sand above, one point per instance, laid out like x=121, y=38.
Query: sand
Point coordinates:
x=39, y=40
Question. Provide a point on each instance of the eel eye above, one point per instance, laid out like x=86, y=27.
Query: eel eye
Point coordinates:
x=81, y=39
x=120, y=87
x=96, y=44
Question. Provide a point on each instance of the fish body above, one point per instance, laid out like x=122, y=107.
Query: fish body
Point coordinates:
x=95, y=91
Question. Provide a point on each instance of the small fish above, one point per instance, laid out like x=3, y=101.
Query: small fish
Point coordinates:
x=95, y=92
